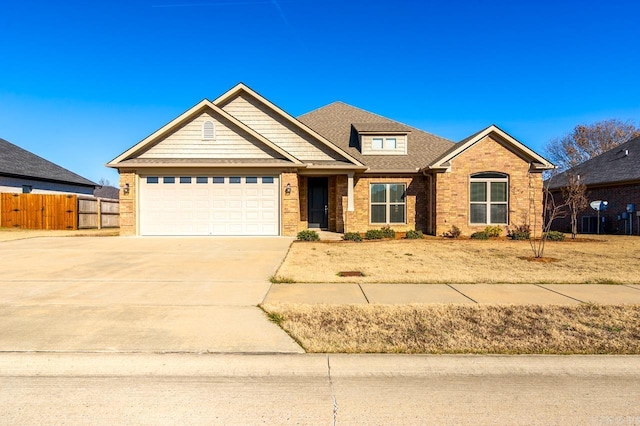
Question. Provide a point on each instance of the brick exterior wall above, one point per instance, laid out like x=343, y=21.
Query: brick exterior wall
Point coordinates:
x=128, y=203
x=618, y=197
x=291, y=217
x=487, y=155
x=416, y=202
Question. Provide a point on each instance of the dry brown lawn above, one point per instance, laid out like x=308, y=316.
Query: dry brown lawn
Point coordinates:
x=433, y=329
x=603, y=259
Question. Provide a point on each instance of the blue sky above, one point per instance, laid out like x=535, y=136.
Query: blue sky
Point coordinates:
x=80, y=82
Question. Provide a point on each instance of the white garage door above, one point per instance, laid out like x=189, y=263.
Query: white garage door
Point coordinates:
x=209, y=205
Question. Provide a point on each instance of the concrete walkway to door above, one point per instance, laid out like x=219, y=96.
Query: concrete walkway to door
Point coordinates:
x=121, y=294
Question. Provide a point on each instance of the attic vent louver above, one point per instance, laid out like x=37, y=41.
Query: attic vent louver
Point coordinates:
x=208, y=130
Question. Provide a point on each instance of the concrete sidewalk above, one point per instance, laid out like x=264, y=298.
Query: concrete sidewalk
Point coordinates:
x=509, y=294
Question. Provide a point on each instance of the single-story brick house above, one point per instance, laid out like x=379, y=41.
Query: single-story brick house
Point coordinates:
x=240, y=165
x=24, y=172
x=613, y=176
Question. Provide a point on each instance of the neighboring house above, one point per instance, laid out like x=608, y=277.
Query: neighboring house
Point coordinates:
x=24, y=172
x=240, y=165
x=613, y=176
x=110, y=192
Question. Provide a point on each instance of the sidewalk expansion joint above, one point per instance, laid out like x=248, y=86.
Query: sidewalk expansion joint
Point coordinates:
x=557, y=292
x=333, y=394
x=364, y=294
x=629, y=286
x=455, y=289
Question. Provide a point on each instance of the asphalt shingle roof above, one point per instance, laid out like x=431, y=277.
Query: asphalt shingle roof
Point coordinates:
x=340, y=124
x=620, y=164
x=15, y=161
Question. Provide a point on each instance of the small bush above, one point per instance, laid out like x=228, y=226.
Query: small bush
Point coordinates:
x=521, y=232
x=493, y=231
x=308, y=235
x=352, y=236
x=455, y=231
x=481, y=235
x=555, y=236
x=374, y=234
x=414, y=235
x=387, y=232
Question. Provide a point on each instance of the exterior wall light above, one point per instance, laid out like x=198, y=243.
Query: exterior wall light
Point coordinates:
x=287, y=189
x=125, y=189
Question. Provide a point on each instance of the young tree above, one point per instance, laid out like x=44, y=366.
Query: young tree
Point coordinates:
x=575, y=197
x=550, y=212
x=588, y=140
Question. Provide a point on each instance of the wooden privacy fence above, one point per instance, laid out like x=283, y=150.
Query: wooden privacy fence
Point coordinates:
x=45, y=211
x=98, y=213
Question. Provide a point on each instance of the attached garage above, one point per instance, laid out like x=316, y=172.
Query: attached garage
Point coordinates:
x=209, y=205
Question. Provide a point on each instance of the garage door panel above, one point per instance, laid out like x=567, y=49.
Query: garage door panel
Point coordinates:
x=248, y=206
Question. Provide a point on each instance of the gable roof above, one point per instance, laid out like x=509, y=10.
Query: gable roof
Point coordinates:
x=184, y=118
x=238, y=89
x=18, y=162
x=618, y=165
x=444, y=161
x=340, y=123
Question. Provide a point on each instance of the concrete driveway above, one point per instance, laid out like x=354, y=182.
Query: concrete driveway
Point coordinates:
x=120, y=294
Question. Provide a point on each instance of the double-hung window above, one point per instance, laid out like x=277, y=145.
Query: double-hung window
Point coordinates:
x=388, y=203
x=489, y=199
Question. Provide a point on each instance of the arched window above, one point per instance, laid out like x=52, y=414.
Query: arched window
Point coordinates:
x=489, y=199
x=208, y=130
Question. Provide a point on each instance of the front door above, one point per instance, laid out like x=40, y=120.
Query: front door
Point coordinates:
x=318, y=203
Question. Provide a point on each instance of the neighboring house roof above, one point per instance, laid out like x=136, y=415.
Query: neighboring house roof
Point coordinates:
x=107, y=192
x=340, y=124
x=444, y=161
x=18, y=162
x=618, y=165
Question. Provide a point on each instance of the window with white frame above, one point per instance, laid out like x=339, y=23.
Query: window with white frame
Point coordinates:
x=208, y=130
x=380, y=143
x=489, y=199
x=388, y=203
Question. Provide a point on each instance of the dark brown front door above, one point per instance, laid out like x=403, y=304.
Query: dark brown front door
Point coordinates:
x=318, y=203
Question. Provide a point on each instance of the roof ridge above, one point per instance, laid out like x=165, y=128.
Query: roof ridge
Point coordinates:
x=380, y=116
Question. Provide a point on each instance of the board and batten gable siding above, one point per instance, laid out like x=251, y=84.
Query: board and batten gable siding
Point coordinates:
x=229, y=141
x=366, y=144
x=277, y=130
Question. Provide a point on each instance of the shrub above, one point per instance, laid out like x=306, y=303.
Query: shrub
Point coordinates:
x=454, y=232
x=387, y=232
x=493, y=231
x=374, y=234
x=521, y=232
x=352, y=236
x=414, y=235
x=308, y=235
x=481, y=235
x=555, y=236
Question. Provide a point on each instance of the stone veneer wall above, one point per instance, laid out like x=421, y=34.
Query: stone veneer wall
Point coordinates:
x=487, y=155
x=128, y=203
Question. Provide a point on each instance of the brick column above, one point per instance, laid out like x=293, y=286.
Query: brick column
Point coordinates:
x=127, y=202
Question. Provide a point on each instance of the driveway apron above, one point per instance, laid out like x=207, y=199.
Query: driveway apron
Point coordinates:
x=120, y=294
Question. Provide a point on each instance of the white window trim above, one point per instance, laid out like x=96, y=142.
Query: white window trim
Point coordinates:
x=488, y=203
x=385, y=140
x=387, y=203
x=213, y=130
